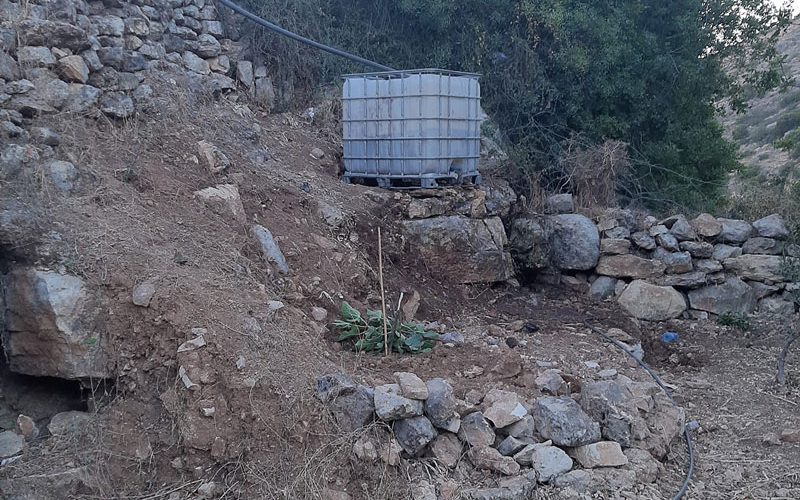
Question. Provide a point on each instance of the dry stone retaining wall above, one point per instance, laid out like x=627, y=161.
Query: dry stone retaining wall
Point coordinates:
x=659, y=270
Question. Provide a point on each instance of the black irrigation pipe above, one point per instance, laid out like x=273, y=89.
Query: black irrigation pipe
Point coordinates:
x=294, y=36
x=686, y=435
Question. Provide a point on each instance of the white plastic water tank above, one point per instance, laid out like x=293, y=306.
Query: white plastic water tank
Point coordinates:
x=415, y=128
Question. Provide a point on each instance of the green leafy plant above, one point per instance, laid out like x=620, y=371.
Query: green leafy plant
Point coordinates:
x=366, y=334
x=740, y=321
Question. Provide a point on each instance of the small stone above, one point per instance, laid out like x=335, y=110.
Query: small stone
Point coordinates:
x=790, y=436
x=63, y=174
x=26, y=427
x=524, y=429
x=668, y=242
x=551, y=382
x=414, y=434
x=562, y=420
x=440, y=406
x=559, y=204
x=772, y=226
x=35, y=57
x=603, y=287
x=319, y=314
x=207, y=490
x=73, y=69
x=390, y=455
x=578, y=480
x=549, y=462
x=364, y=449
x=11, y=444
x=484, y=457
x=193, y=344
x=241, y=363
x=117, y=105
x=143, y=293
x=187, y=382
x=734, y=231
x=476, y=430
x=643, y=240
x=69, y=422
x=317, y=153
x=606, y=374
x=45, y=136
x=411, y=386
x=270, y=249
x=505, y=412
x=723, y=252
x=511, y=446
x=602, y=454
x=423, y=491
x=447, y=449
x=208, y=411
x=212, y=158
x=707, y=225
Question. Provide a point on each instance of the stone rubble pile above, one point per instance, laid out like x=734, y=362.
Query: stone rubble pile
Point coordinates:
x=660, y=270
x=610, y=435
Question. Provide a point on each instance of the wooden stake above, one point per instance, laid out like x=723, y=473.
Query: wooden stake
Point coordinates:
x=383, y=296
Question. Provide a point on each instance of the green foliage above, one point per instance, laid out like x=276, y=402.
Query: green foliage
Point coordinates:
x=646, y=72
x=740, y=321
x=367, y=334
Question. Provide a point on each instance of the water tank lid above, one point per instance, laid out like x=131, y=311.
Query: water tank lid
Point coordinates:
x=409, y=72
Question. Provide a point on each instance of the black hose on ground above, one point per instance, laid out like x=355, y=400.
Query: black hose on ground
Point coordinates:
x=294, y=36
x=686, y=435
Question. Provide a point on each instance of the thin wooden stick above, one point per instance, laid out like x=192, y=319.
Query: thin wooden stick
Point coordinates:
x=383, y=296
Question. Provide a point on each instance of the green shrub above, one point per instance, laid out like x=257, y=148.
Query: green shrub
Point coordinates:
x=740, y=321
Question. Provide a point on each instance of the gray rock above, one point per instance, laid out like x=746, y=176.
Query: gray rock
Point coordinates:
x=652, y=302
x=454, y=338
x=143, y=293
x=269, y=248
x=603, y=287
x=643, y=240
x=676, y=262
x=525, y=429
x=734, y=231
x=574, y=242
x=699, y=250
x=206, y=46
x=602, y=454
x=619, y=232
x=244, y=73
x=440, y=407
x=642, y=463
x=117, y=105
x=551, y=382
x=511, y=488
x=20, y=87
x=657, y=230
x=485, y=457
x=65, y=35
x=63, y=174
x=561, y=420
x=578, y=480
x=195, y=63
x=414, y=434
x=462, y=249
x=668, y=242
x=224, y=200
x=694, y=279
x=390, y=405
x=329, y=387
x=776, y=306
x=759, y=267
x=763, y=290
x=511, y=446
x=81, y=98
x=529, y=243
x=610, y=246
x=109, y=25
x=447, y=449
x=55, y=325
x=629, y=266
x=707, y=226
x=73, y=69
x=46, y=136
x=69, y=422
x=722, y=252
x=707, y=266
x=682, y=230
x=499, y=197
x=559, y=204
x=12, y=159
x=34, y=56
x=332, y=216
x=8, y=67
x=549, y=462
x=772, y=226
x=353, y=409
x=411, y=386
x=476, y=431
x=763, y=246
x=505, y=412
x=264, y=93
x=213, y=27
x=11, y=444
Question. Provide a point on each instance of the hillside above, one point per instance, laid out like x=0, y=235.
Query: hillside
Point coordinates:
x=175, y=258
x=769, y=119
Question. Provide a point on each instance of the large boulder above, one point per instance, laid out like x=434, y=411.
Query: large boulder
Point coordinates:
x=629, y=266
x=732, y=296
x=55, y=325
x=771, y=226
x=574, y=242
x=462, y=249
x=734, y=231
x=651, y=302
x=562, y=421
x=529, y=243
x=759, y=267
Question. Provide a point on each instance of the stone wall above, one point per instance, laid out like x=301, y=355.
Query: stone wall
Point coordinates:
x=662, y=269
x=83, y=57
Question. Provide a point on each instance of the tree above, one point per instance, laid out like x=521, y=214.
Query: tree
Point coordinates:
x=646, y=72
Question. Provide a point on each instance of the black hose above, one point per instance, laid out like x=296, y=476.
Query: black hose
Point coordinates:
x=686, y=436
x=301, y=39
